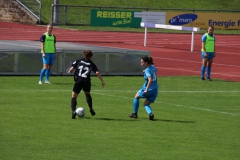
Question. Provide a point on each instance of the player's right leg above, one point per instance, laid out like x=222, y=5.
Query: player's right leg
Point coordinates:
x=50, y=63
x=76, y=90
x=204, y=64
x=136, y=104
x=151, y=96
x=89, y=102
x=148, y=109
x=44, y=69
x=42, y=73
x=209, y=67
x=48, y=74
x=87, y=89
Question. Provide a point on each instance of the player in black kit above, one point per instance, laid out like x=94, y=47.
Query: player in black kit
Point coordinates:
x=83, y=68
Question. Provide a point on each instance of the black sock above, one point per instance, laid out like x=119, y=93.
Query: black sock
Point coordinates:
x=89, y=100
x=73, y=104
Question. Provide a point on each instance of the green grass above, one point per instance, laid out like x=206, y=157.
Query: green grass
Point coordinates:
x=211, y=4
x=194, y=120
x=77, y=14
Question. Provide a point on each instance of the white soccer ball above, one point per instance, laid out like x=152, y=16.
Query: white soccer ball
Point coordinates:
x=80, y=111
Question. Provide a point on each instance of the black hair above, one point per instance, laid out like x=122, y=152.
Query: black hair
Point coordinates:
x=148, y=59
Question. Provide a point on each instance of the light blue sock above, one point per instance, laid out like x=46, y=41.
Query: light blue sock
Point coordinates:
x=203, y=71
x=208, y=71
x=135, y=105
x=148, y=109
x=42, y=73
x=47, y=74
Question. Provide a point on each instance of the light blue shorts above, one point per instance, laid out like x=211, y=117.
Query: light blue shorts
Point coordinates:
x=209, y=54
x=49, y=59
x=150, y=95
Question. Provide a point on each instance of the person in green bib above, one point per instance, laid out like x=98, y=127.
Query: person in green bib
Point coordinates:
x=48, y=50
x=208, y=52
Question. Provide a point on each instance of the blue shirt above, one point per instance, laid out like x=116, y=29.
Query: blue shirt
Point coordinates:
x=150, y=71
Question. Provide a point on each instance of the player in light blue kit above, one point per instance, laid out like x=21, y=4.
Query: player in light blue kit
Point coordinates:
x=208, y=52
x=48, y=50
x=149, y=89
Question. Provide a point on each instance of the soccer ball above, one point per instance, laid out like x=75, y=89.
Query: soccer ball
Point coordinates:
x=80, y=111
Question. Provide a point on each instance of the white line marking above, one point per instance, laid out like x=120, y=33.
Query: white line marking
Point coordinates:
x=133, y=91
x=184, y=70
x=229, y=53
x=94, y=92
x=170, y=91
x=172, y=59
x=203, y=109
x=196, y=72
x=229, y=45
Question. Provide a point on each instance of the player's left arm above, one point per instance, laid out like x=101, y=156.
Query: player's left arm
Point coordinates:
x=96, y=71
x=214, y=47
x=100, y=77
x=55, y=50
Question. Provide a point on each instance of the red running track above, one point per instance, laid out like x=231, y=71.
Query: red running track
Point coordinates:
x=171, y=52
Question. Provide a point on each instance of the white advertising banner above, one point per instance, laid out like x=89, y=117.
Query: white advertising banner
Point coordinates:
x=151, y=17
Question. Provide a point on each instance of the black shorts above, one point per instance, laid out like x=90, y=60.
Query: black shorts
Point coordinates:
x=82, y=84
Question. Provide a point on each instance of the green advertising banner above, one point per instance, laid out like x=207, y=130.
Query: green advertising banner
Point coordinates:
x=114, y=18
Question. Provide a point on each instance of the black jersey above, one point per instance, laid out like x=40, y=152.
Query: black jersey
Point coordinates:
x=83, y=69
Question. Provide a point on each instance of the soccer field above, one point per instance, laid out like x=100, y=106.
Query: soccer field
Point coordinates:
x=194, y=119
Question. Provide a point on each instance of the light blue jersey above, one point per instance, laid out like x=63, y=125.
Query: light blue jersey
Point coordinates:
x=150, y=95
x=150, y=71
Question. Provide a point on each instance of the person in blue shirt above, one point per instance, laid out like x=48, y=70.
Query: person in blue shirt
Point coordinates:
x=208, y=52
x=48, y=50
x=149, y=89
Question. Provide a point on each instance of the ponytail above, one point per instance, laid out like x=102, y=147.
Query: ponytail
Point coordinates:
x=148, y=59
x=87, y=54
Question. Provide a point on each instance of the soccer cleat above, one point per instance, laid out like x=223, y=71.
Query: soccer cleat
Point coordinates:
x=151, y=116
x=203, y=78
x=40, y=82
x=92, y=112
x=133, y=115
x=209, y=79
x=47, y=82
x=74, y=115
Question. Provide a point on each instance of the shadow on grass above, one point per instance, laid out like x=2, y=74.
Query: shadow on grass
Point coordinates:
x=133, y=120
x=67, y=83
x=111, y=119
x=175, y=121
